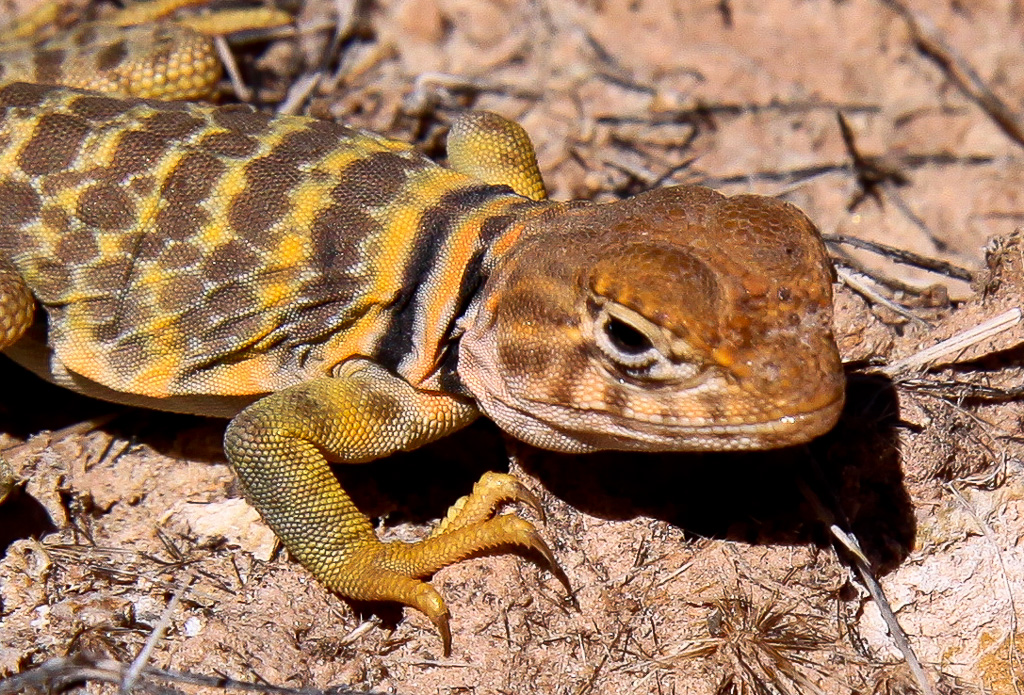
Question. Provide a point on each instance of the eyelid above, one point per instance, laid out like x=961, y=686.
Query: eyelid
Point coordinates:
x=670, y=358
x=654, y=333
x=638, y=360
x=641, y=361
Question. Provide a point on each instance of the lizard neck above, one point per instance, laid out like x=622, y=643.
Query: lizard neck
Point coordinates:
x=463, y=235
x=519, y=223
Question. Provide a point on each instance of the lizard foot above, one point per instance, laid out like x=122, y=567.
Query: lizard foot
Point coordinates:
x=490, y=492
x=394, y=568
x=470, y=529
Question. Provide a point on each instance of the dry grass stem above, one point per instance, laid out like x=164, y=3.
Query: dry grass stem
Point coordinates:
x=956, y=344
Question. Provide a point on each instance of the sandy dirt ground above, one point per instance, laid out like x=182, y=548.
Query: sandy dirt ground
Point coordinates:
x=708, y=574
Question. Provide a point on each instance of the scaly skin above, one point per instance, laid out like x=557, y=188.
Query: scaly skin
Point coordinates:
x=341, y=298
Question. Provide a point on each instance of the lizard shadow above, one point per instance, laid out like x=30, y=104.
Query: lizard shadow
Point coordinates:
x=27, y=409
x=32, y=406
x=22, y=516
x=756, y=497
x=753, y=497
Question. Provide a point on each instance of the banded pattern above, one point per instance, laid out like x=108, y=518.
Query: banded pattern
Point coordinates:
x=186, y=249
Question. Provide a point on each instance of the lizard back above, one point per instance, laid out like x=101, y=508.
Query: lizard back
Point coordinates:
x=182, y=249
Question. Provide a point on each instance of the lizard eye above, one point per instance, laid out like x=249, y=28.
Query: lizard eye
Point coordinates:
x=626, y=339
x=636, y=348
x=626, y=344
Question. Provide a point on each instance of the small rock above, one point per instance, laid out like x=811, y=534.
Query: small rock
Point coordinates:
x=233, y=521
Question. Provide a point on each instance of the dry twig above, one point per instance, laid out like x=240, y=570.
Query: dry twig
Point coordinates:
x=956, y=344
x=931, y=43
x=59, y=673
x=862, y=566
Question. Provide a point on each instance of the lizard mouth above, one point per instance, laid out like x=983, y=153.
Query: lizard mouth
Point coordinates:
x=787, y=430
x=619, y=432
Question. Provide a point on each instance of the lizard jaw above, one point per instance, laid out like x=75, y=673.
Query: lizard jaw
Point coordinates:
x=570, y=429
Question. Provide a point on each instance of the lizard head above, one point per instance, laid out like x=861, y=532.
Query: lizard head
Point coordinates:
x=679, y=319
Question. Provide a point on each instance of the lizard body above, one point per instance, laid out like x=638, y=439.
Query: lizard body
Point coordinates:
x=341, y=297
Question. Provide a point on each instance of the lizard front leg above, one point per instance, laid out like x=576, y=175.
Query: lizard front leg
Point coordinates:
x=495, y=150
x=280, y=447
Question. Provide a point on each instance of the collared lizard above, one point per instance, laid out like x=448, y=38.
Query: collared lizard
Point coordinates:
x=341, y=297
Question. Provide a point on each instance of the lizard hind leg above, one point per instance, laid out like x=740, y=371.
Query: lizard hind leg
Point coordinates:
x=17, y=305
x=140, y=51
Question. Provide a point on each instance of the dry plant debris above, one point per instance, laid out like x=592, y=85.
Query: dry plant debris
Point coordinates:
x=762, y=649
x=892, y=124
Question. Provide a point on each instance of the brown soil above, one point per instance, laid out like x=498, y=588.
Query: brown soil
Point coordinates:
x=694, y=574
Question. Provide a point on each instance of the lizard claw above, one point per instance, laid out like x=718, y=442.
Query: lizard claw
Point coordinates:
x=532, y=540
x=489, y=493
x=429, y=602
x=397, y=565
x=505, y=488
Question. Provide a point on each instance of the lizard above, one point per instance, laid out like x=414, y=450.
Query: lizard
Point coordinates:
x=339, y=297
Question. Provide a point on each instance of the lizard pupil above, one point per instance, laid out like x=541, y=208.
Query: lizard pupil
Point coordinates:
x=625, y=338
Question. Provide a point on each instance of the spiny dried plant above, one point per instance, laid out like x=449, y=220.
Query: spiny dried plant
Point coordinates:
x=761, y=650
x=896, y=679
x=888, y=682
